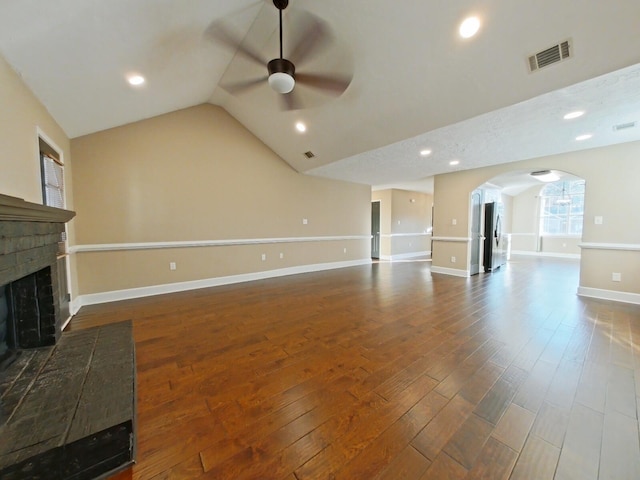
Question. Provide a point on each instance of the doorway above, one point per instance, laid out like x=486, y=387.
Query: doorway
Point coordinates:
x=375, y=229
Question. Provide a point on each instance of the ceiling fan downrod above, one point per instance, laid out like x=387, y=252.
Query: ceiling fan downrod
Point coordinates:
x=281, y=70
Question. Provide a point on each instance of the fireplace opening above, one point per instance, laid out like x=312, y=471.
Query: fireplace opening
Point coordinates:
x=27, y=315
x=8, y=351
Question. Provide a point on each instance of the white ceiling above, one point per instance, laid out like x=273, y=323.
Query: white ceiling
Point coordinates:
x=416, y=84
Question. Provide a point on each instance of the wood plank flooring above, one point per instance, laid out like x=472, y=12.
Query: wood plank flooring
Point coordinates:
x=386, y=372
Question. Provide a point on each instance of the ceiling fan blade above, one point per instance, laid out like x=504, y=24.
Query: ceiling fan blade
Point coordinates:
x=221, y=34
x=241, y=87
x=332, y=85
x=316, y=37
x=290, y=101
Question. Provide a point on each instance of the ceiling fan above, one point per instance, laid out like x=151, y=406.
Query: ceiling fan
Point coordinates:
x=282, y=76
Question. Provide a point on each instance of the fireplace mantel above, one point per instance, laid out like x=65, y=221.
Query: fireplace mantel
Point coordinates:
x=13, y=209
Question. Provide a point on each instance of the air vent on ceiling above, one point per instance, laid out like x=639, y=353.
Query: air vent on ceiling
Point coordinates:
x=551, y=55
x=623, y=126
x=309, y=154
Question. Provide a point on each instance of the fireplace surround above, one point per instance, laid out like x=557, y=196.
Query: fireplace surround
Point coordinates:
x=30, y=235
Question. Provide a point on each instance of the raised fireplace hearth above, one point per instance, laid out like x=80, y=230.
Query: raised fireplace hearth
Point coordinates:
x=67, y=400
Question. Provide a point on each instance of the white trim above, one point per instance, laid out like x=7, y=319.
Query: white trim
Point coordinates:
x=451, y=239
x=451, y=271
x=420, y=234
x=613, y=295
x=403, y=256
x=629, y=247
x=523, y=234
x=74, y=305
x=108, y=247
x=545, y=254
x=116, y=295
x=66, y=322
x=40, y=133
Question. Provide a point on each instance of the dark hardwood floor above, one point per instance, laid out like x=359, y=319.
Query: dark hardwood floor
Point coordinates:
x=386, y=371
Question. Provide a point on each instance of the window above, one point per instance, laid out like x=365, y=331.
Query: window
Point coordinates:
x=52, y=181
x=562, y=208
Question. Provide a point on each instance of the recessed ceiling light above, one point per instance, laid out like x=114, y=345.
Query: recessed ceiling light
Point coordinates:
x=469, y=27
x=425, y=152
x=301, y=127
x=586, y=136
x=572, y=115
x=135, y=80
x=454, y=162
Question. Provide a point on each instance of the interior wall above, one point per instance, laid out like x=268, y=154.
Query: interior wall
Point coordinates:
x=197, y=177
x=21, y=115
x=22, y=119
x=524, y=234
x=406, y=223
x=611, y=175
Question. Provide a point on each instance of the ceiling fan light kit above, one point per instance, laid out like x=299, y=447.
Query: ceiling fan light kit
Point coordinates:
x=281, y=75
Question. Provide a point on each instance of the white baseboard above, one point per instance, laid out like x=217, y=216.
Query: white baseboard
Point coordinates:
x=614, y=295
x=405, y=256
x=545, y=254
x=451, y=271
x=116, y=295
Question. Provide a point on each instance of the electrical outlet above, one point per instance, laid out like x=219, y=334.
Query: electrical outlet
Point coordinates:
x=345, y=250
x=454, y=221
x=305, y=221
x=264, y=257
x=616, y=277
x=281, y=255
x=597, y=220
x=453, y=259
x=172, y=265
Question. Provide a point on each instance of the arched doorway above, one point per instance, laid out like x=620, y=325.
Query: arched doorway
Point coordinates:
x=539, y=213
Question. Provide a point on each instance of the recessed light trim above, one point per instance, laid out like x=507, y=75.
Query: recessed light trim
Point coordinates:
x=301, y=127
x=453, y=163
x=426, y=152
x=469, y=27
x=572, y=115
x=581, y=138
x=136, y=80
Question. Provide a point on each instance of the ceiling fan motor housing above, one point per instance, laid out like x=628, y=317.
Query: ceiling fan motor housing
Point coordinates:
x=281, y=4
x=281, y=75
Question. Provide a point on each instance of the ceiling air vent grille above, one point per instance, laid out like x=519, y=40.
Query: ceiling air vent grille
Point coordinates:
x=309, y=154
x=551, y=55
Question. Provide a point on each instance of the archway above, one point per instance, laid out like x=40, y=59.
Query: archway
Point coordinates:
x=540, y=213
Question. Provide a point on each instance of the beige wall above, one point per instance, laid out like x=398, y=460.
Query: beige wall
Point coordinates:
x=405, y=224
x=525, y=220
x=22, y=119
x=611, y=175
x=198, y=175
x=21, y=115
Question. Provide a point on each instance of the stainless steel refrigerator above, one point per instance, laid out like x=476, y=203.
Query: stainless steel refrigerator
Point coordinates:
x=494, y=252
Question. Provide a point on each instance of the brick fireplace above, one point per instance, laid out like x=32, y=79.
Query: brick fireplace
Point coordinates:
x=67, y=400
x=30, y=235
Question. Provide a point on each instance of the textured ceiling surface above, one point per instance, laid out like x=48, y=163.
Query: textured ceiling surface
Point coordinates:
x=415, y=83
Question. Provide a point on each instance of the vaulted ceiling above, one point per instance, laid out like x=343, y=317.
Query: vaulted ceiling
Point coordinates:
x=416, y=84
